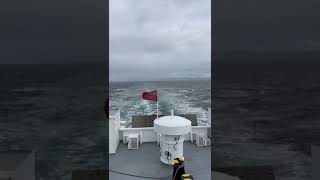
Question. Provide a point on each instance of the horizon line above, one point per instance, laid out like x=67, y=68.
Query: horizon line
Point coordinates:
x=152, y=80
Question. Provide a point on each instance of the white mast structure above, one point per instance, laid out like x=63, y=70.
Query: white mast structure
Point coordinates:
x=157, y=105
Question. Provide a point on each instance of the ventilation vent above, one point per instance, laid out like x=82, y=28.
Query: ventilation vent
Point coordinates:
x=201, y=138
x=133, y=141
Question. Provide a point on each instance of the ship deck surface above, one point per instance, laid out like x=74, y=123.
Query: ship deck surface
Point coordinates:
x=146, y=162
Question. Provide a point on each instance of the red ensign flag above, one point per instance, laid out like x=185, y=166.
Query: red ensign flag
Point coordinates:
x=151, y=96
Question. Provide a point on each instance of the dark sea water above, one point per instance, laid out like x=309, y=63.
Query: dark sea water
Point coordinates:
x=57, y=110
x=267, y=113
x=183, y=96
x=264, y=114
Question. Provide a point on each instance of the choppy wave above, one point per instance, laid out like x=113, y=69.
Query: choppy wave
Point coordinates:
x=54, y=109
x=182, y=97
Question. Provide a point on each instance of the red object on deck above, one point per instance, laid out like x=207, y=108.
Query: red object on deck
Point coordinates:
x=151, y=96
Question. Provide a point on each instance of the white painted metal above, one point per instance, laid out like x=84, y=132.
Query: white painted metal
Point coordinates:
x=172, y=145
x=133, y=141
x=209, y=122
x=114, y=127
x=172, y=129
x=123, y=124
x=172, y=125
x=200, y=139
x=207, y=142
x=157, y=109
x=140, y=137
x=177, y=127
x=149, y=135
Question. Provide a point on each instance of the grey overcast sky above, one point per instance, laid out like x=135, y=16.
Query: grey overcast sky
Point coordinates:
x=52, y=31
x=272, y=26
x=159, y=39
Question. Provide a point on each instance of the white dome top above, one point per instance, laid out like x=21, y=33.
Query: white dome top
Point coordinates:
x=172, y=125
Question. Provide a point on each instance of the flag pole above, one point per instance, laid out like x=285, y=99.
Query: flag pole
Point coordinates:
x=157, y=109
x=157, y=105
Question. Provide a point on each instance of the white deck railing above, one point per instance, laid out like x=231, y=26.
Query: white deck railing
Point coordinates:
x=147, y=134
x=118, y=132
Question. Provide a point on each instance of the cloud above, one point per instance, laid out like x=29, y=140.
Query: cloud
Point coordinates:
x=159, y=39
